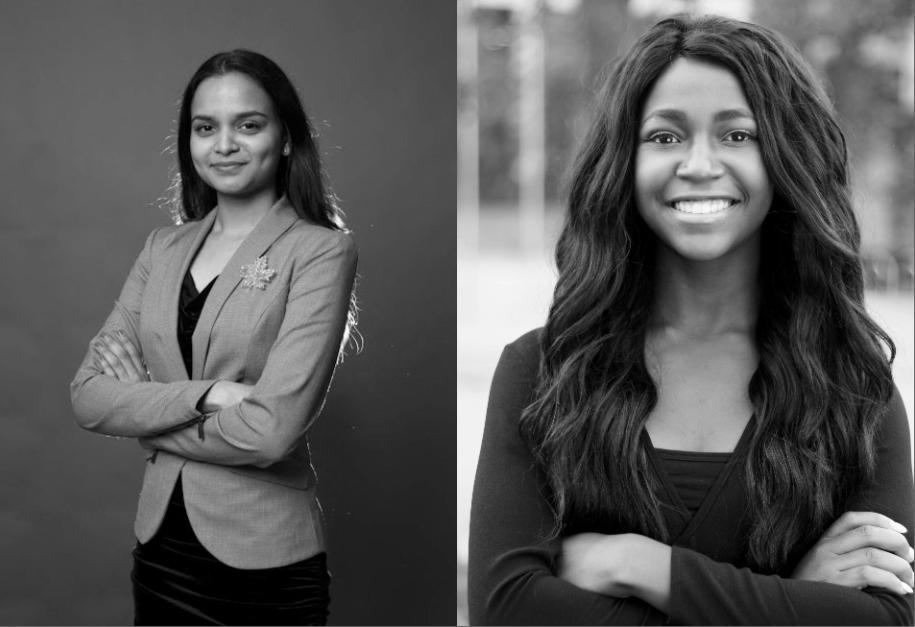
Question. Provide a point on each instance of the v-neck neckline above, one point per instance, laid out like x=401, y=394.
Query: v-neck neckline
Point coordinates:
x=192, y=283
x=692, y=522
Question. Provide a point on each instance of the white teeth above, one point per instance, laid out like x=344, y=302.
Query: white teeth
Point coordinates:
x=702, y=206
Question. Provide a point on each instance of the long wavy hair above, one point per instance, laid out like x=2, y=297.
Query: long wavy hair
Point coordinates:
x=299, y=175
x=824, y=373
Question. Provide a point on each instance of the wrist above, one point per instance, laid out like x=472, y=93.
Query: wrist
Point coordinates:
x=628, y=552
x=646, y=570
x=211, y=401
x=616, y=571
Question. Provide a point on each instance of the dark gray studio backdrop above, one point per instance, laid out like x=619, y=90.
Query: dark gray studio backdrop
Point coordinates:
x=88, y=95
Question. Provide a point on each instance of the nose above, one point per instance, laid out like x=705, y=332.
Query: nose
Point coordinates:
x=225, y=143
x=700, y=163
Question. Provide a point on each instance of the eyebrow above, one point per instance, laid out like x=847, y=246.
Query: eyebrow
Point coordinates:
x=243, y=114
x=675, y=115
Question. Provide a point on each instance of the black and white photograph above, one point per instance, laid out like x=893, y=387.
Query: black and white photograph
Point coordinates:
x=228, y=312
x=685, y=312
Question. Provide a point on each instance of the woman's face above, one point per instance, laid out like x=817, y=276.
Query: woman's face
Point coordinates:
x=700, y=183
x=236, y=136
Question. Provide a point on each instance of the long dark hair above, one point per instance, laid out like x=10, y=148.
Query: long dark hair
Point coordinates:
x=823, y=379
x=299, y=175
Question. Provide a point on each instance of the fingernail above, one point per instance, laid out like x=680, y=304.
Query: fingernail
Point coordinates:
x=899, y=528
x=908, y=590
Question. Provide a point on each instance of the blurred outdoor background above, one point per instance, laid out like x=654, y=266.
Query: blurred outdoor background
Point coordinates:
x=527, y=70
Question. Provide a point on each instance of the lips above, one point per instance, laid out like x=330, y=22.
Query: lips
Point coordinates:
x=702, y=205
x=227, y=165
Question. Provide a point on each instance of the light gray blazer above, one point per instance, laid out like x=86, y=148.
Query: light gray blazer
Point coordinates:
x=249, y=487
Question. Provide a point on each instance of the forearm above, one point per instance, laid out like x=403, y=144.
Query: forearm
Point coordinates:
x=693, y=589
x=212, y=448
x=705, y=592
x=244, y=433
x=537, y=597
x=105, y=405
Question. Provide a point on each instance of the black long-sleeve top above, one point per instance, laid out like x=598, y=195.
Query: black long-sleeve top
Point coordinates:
x=511, y=577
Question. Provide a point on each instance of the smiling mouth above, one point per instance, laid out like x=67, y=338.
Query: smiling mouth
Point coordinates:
x=709, y=205
x=227, y=166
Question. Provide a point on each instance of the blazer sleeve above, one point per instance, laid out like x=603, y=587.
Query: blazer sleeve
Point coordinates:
x=510, y=572
x=111, y=407
x=267, y=426
x=705, y=592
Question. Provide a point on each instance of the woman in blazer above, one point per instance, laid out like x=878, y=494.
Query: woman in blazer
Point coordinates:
x=218, y=356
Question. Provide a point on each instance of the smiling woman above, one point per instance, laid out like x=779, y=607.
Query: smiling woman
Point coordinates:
x=218, y=356
x=706, y=431
x=237, y=136
x=700, y=181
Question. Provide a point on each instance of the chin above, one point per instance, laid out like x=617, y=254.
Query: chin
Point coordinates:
x=701, y=251
x=240, y=189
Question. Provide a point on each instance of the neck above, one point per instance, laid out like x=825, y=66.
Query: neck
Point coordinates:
x=236, y=217
x=707, y=298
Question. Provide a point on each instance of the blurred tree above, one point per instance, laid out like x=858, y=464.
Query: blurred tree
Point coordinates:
x=860, y=48
x=498, y=107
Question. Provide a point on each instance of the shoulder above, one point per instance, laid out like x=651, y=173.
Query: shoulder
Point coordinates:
x=514, y=385
x=527, y=348
x=310, y=240
x=316, y=251
x=520, y=362
x=166, y=236
x=894, y=422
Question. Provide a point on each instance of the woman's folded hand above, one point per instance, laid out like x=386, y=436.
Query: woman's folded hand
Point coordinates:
x=117, y=356
x=861, y=549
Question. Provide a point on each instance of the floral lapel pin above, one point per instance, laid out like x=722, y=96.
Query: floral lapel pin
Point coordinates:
x=256, y=275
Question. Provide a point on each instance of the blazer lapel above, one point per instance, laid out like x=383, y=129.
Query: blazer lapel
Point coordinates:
x=177, y=266
x=275, y=222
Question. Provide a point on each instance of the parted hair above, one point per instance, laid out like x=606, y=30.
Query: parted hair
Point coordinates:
x=299, y=175
x=824, y=374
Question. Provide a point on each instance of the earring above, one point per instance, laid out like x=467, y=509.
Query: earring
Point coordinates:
x=286, y=150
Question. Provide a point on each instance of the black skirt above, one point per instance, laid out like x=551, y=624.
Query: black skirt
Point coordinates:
x=176, y=581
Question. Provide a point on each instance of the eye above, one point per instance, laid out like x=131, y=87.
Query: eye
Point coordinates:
x=664, y=138
x=204, y=129
x=250, y=127
x=740, y=137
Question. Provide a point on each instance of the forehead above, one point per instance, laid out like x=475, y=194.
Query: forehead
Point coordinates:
x=228, y=93
x=697, y=87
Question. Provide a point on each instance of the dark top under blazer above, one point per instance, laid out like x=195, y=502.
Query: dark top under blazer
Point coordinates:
x=248, y=483
x=511, y=578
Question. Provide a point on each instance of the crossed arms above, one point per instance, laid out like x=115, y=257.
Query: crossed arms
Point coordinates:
x=270, y=418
